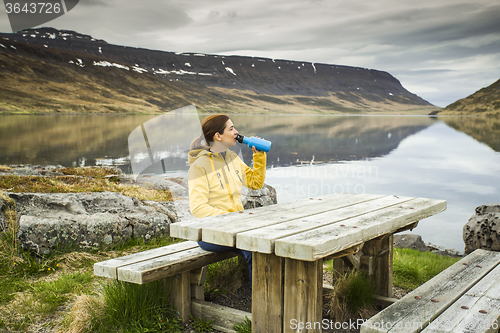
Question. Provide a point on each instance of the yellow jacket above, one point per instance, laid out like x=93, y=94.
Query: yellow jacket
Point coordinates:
x=215, y=182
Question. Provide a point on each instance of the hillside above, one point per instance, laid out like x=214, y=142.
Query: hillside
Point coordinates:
x=48, y=70
x=485, y=101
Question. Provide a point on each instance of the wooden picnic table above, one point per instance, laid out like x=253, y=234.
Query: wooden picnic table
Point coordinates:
x=291, y=240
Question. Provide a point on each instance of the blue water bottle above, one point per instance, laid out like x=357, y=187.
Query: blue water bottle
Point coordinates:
x=259, y=144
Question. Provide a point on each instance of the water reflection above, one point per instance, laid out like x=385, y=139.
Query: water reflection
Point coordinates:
x=102, y=140
x=66, y=140
x=455, y=159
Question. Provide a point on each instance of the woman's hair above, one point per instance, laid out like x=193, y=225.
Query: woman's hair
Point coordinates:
x=210, y=125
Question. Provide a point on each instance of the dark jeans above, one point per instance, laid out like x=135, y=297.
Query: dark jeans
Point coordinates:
x=247, y=255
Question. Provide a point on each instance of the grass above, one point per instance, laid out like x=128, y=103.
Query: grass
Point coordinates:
x=60, y=292
x=413, y=268
x=76, y=180
x=352, y=294
x=353, y=291
x=244, y=327
x=225, y=276
x=39, y=291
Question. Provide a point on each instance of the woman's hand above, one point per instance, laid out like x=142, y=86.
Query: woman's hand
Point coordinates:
x=253, y=148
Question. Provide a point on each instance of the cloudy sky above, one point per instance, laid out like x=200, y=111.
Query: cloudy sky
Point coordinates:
x=442, y=50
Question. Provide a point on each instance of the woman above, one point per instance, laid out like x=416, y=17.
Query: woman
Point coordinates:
x=216, y=176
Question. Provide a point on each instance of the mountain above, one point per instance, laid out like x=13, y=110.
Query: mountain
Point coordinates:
x=49, y=70
x=485, y=101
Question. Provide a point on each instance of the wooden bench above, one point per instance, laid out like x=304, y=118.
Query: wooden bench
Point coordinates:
x=463, y=298
x=182, y=267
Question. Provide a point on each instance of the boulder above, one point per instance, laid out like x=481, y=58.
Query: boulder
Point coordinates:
x=90, y=220
x=87, y=220
x=410, y=241
x=258, y=198
x=482, y=231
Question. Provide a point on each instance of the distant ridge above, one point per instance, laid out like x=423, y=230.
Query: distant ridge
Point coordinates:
x=485, y=101
x=160, y=81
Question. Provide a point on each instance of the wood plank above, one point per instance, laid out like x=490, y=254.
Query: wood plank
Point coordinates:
x=192, y=230
x=380, y=249
x=263, y=239
x=225, y=233
x=384, y=301
x=199, y=275
x=412, y=314
x=180, y=295
x=109, y=268
x=484, y=296
x=303, y=294
x=348, y=253
x=267, y=293
x=161, y=267
x=321, y=242
x=224, y=317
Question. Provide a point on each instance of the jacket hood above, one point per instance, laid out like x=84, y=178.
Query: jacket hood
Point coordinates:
x=193, y=155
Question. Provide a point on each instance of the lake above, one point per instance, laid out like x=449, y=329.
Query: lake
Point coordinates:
x=451, y=158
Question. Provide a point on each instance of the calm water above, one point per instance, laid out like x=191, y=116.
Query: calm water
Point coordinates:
x=456, y=159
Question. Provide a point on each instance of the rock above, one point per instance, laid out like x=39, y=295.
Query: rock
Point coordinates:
x=90, y=220
x=87, y=220
x=482, y=231
x=179, y=188
x=258, y=198
x=410, y=241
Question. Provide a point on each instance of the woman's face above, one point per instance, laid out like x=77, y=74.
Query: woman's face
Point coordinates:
x=229, y=135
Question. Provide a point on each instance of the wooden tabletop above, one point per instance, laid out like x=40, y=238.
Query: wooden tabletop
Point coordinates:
x=313, y=228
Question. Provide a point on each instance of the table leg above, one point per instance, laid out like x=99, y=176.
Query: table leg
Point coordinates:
x=303, y=296
x=267, y=293
x=380, y=249
x=179, y=290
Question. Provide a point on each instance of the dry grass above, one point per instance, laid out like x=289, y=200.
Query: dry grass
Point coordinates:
x=94, y=172
x=4, y=168
x=82, y=314
x=76, y=184
x=352, y=296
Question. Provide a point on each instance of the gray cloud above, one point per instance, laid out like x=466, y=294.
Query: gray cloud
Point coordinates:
x=441, y=50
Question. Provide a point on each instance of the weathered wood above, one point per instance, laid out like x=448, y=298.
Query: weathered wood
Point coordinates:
x=161, y=267
x=321, y=242
x=199, y=275
x=384, y=301
x=303, y=295
x=267, y=293
x=366, y=263
x=109, y=268
x=180, y=295
x=281, y=220
x=195, y=230
x=263, y=239
x=197, y=280
x=224, y=318
x=346, y=253
x=464, y=315
x=408, y=227
x=380, y=249
x=414, y=311
x=198, y=292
